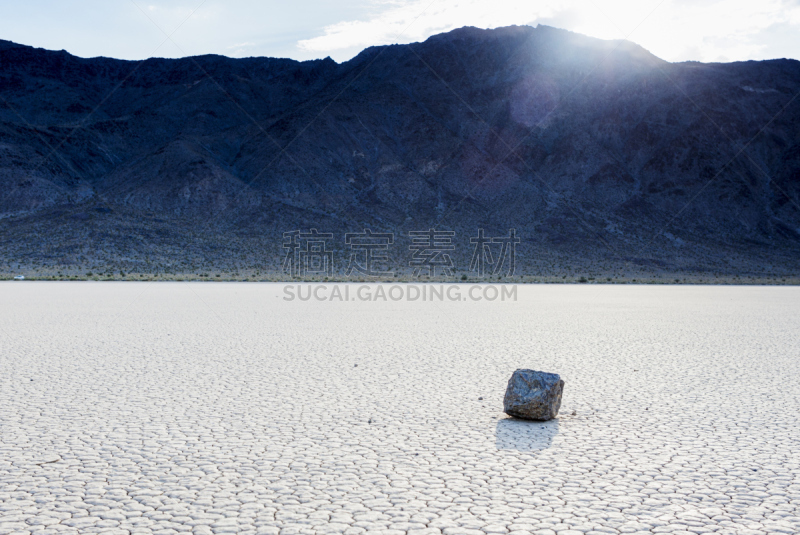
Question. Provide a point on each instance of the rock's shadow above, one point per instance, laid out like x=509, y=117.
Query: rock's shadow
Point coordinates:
x=525, y=435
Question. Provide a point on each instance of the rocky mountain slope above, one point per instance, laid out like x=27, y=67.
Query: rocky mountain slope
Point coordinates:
x=603, y=157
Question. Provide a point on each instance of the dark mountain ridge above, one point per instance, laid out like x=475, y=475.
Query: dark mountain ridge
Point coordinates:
x=601, y=155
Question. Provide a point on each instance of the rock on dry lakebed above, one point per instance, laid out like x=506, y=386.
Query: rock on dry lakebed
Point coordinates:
x=533, y=395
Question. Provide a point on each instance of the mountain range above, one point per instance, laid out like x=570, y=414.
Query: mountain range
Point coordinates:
x=606, y=160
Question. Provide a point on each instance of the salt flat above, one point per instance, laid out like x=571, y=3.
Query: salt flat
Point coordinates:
x=222, y=408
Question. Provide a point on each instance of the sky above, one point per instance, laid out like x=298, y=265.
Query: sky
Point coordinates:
x=674, y=30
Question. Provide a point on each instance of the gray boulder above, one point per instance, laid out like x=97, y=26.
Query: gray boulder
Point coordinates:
x=533, y=395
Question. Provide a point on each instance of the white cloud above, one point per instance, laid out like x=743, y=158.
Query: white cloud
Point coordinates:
x=713, y=30
x=241, y=45
x=704, y=30
x=676, y=30
x=419, y=19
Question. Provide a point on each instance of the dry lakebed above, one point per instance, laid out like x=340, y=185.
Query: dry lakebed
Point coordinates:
x=183, y=407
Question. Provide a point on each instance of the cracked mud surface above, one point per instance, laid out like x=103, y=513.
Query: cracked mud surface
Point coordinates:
x=221, y=408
